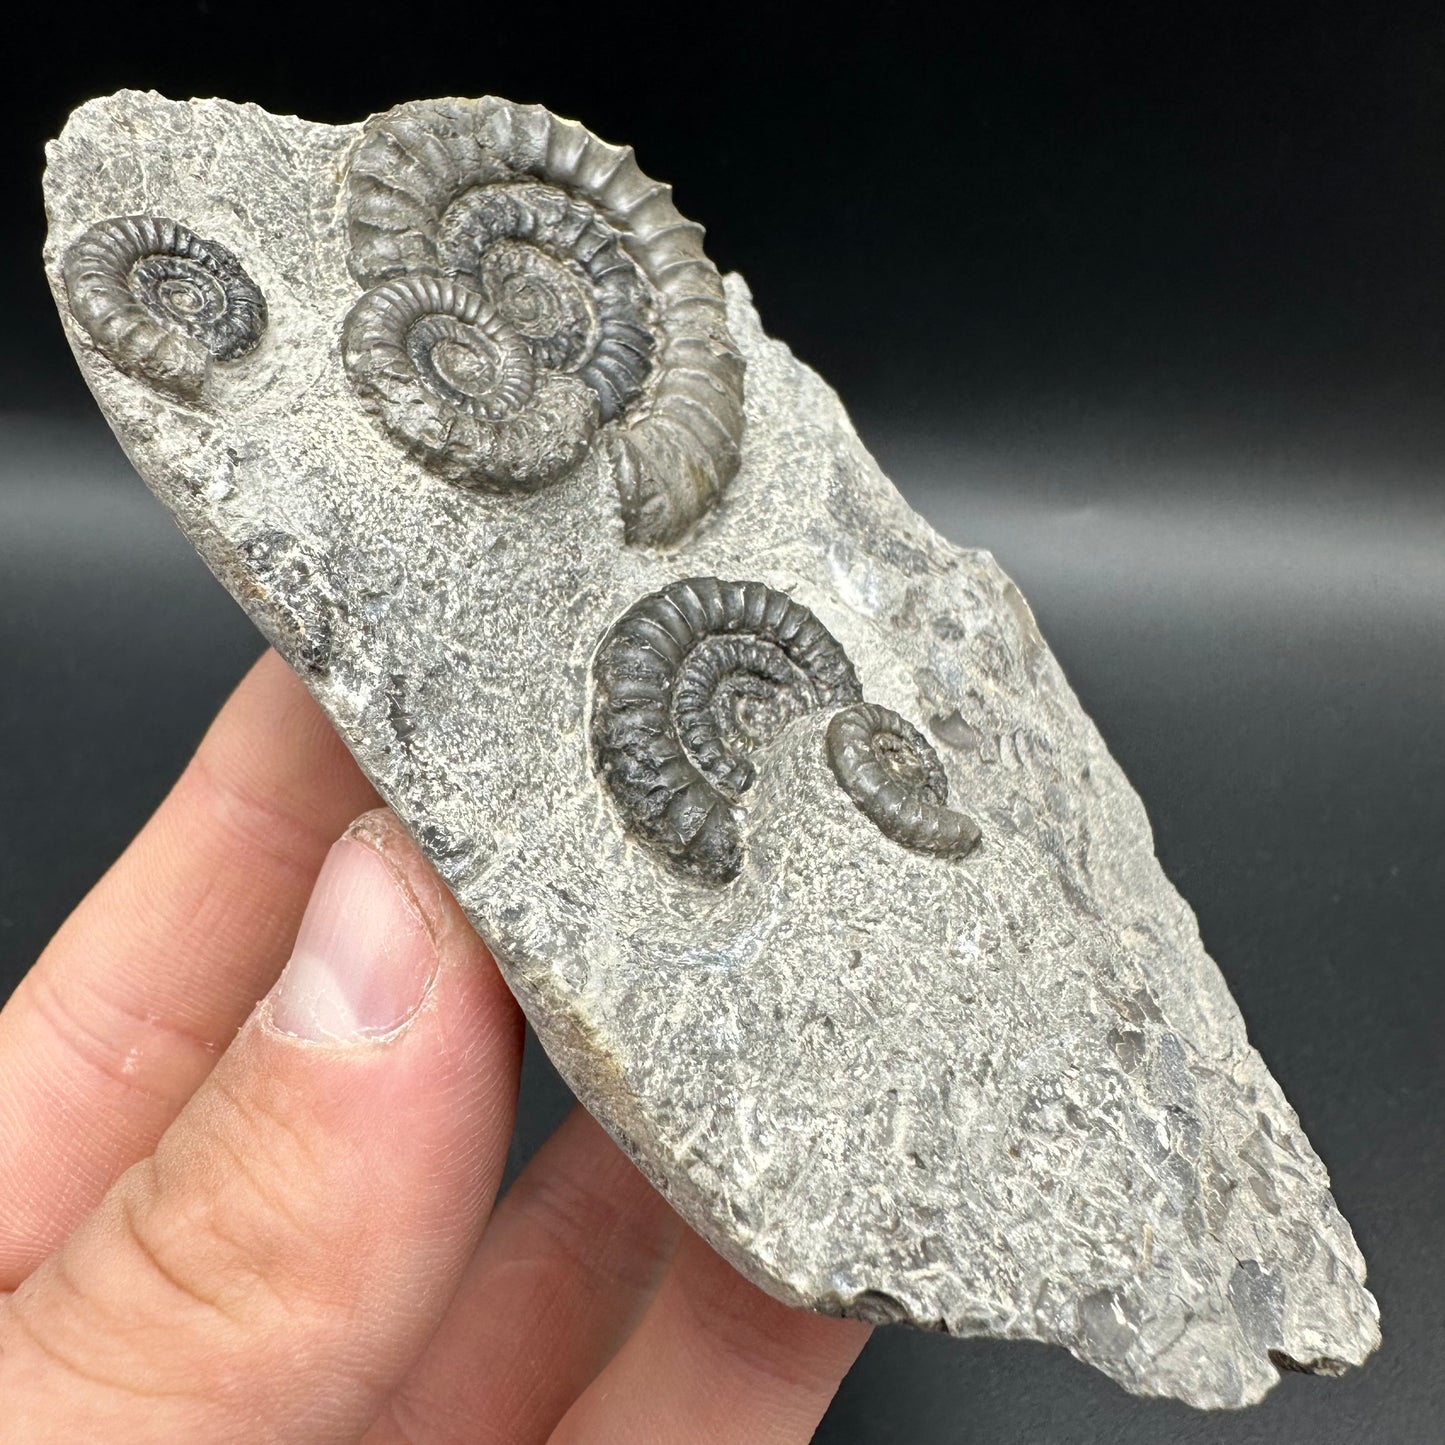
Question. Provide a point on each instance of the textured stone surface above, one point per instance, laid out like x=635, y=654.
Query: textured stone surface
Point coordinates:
x=1006, y=1093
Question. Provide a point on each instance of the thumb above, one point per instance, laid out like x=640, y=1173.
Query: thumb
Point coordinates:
x=277, y=1265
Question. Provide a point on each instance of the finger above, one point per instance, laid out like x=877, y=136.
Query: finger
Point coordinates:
x=278, y=1264
x=715, y=1361
x=127, y=1010
x=567, y=1265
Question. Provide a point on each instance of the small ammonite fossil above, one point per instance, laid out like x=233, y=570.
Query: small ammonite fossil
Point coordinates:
x=891, y=772
x=461, y=388
x=585, y=259
x=689, y=681
x=162, y=302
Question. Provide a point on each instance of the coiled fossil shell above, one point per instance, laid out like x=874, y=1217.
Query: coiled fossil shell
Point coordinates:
x=558, y=274
x=891, y=772
x=460, y=388
x=584, y=256
x=689, y=681
x=162, y=302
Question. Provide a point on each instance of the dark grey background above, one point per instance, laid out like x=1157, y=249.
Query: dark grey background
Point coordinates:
x=1151, y=303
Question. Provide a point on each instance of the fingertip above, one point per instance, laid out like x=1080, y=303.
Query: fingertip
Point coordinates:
x=364, y=957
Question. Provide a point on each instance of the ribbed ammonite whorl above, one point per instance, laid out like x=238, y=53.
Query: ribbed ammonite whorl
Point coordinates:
x=689, y=681
x=162, y=302
x=891, y=772
x=461, y=388
x=588, y=261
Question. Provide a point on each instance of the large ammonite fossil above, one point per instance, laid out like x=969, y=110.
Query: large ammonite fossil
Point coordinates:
x=689, y=680
x=891, y=772
x=549, y=239
x=162, y=302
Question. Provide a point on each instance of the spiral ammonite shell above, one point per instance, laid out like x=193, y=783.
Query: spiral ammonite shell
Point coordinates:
x=461, y=389
x=584, y=256
x=558, y=274
x=162, y=302
x=891, y=772
x=689, y=680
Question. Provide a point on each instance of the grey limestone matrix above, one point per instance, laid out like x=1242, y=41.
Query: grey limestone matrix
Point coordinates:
x=784, y=826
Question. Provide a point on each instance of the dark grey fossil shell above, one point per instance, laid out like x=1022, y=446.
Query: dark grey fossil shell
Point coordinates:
x=559, y=274
x=891, y=772
x=588, y=259
x=162, y=302
x=689, y=680
x=461, y=389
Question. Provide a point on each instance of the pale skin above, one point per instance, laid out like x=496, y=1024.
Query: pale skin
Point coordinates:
x=242, y=1200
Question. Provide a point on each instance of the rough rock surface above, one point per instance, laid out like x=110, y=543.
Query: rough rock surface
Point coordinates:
x=1003, y=1094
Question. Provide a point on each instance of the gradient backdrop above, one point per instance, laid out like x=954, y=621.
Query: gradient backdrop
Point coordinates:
x=1152, y=304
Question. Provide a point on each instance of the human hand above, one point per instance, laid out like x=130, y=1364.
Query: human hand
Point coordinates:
x=287, y=1233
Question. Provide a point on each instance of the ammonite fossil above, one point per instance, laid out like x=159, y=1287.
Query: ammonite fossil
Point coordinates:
x=460, y=387
x=162, y=302
x=689, y=681
x=585, y=259
x=891, y=772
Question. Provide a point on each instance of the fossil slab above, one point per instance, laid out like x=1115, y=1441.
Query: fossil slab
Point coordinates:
x=816, y=882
